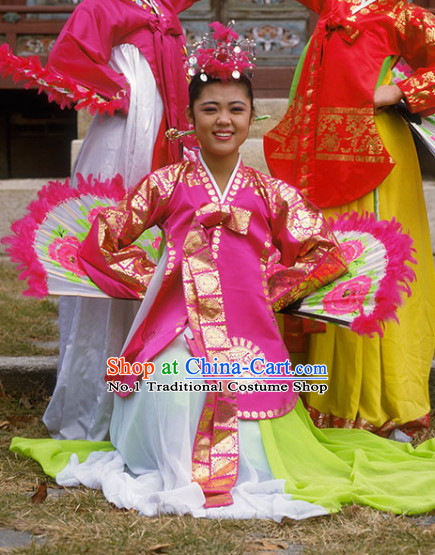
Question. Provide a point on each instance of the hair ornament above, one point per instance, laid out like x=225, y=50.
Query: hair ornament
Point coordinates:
x=221, y=54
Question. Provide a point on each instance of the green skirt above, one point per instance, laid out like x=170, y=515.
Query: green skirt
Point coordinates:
x=333, y=467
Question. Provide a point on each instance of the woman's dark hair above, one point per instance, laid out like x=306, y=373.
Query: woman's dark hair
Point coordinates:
x=196, y=87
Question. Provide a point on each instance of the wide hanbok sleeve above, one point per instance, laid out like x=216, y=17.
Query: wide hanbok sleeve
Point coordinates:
x=310, y=254
x=119, y=268
x=83, y=49
x=417, y=32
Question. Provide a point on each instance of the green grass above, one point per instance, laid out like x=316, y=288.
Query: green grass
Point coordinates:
x=24, y=320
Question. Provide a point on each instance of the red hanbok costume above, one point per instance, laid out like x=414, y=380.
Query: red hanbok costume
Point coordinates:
x=134, y=52
x=332, y=147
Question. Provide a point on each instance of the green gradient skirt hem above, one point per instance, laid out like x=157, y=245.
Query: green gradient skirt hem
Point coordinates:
x=329, y=467
x=334, y=467
x=53, y=454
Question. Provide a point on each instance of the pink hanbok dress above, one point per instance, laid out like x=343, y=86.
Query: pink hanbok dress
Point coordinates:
x=185, y=451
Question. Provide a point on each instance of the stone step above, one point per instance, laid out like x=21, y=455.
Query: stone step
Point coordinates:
x=15, y=196
x=273, y=107
x=28, y=376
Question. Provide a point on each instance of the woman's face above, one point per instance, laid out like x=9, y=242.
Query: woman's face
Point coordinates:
x=221, y=115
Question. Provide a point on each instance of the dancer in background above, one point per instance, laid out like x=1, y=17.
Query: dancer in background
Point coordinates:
x=134, y=52
x=345, y=147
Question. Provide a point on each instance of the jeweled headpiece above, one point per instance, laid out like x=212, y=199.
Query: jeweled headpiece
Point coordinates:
x=221, y=54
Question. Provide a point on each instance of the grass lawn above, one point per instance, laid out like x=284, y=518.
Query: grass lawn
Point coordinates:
x=24, y=321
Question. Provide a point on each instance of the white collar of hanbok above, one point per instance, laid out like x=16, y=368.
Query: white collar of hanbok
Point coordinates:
x=363, y=4
x=221, y=195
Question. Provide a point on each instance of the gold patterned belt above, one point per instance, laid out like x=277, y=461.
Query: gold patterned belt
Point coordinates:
x=215, y=456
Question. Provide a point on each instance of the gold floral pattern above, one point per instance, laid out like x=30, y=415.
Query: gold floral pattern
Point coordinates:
x=307, y=226
x=281, y=217
x=415, y=428
x=329, y=130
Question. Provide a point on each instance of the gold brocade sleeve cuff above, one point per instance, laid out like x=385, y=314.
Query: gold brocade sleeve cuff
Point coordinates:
x=416, y=34
x=117, y=265
x=419, y=91
x=310, y=253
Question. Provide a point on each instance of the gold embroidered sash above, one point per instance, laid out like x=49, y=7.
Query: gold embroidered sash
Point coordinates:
x=215, y=454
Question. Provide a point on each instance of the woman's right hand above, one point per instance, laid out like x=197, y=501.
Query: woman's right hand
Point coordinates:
x=386, y=95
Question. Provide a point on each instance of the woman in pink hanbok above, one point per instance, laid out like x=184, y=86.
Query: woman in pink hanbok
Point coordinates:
x=189, y=445
x=222, y=221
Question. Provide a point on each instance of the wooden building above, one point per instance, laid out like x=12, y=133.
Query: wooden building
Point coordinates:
x=35, y=135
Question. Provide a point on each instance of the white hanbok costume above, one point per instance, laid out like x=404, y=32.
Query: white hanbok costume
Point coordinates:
x=91, y=330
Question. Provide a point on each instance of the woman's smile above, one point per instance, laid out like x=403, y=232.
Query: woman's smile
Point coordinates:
x=222, y=115
x=223, y=135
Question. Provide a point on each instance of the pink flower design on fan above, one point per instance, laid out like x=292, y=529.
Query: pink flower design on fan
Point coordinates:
x=347, y=297
x=404, y=67
x=156, y=243
x=352, y=250
x=64, y=251
x=92, y=214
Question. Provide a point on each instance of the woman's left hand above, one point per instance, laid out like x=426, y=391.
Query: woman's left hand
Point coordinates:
x=386, y=95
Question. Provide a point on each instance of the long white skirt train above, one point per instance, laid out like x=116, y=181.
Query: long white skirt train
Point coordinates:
x=151, y=470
